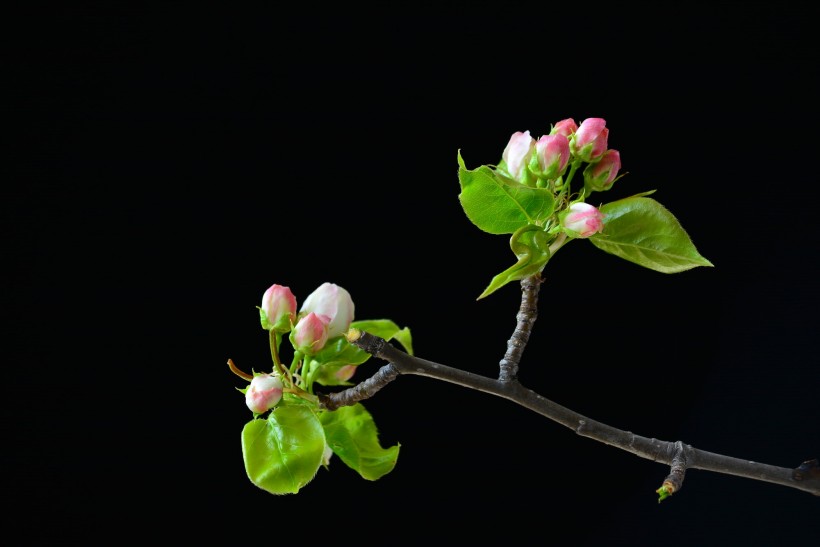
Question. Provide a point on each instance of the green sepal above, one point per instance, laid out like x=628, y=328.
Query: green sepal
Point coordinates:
x=281, y=326
x=352, y=435
x=263, y=319
x=502, y=170
x=498, y=204
x=283, y=452
x=641, y=230
x=531, y=245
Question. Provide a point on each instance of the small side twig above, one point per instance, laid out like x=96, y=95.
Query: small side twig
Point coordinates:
x=361, y=391
x=674, y=481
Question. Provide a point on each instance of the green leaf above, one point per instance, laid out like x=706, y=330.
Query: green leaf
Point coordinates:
x=387, y=329
x=500, y=205
x=339, y=350
x=326, y=373
x=404, y=338
x=641, y=230
x=531, y=245
x=351, y=434
x=283, y=453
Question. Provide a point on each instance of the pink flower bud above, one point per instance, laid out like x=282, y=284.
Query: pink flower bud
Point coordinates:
x=553, y=155
x=590, y=141
x=345, y=373
x=334, y=374
x=599, y=176
x=517, y=154
x=565, y=127
x=582, y=220
x=264, y=393
x=310, y=333
x=278, y=308
x=333, y=302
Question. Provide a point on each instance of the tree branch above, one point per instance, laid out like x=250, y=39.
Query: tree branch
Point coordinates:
x=677, y=455
x=526, y=316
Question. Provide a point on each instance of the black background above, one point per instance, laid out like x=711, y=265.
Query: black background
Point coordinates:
x=172, y=165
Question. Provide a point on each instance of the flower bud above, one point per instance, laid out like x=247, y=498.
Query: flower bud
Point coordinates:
x=310, y=333
x=334, y=374
x=582, y=220
x=518, y=153
x=345, y=373
x=278, y=309
x=264, y=393
x=599, y=176
x=590, y=141
x=565, y=127
x=553, y=155
x=333, y=302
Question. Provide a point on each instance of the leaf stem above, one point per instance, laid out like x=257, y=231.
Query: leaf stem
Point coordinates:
x=241, y=374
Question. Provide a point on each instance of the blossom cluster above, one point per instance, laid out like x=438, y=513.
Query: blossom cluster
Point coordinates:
x=546, y=161
x=325, y=314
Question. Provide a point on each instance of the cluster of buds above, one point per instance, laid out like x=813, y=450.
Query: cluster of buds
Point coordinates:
x=326, y=313
x=543, y=163
x=536, y=162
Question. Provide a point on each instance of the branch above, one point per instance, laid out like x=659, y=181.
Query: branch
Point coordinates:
x=677, y=455
x=526, y=316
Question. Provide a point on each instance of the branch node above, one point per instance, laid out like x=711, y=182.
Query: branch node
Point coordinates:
x=370, y=343
x=809, y=469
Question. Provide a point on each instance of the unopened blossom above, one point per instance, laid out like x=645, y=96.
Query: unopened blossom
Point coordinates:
x=582, y=220
x=264, y=393
x=345, y=373
x=310, y=334
x=334, y=374
x=590, y=140
x=552, y=152
x=599, y=176
x=333, y=302
x=518, y=153
x=278, y=308
x=565, y=127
